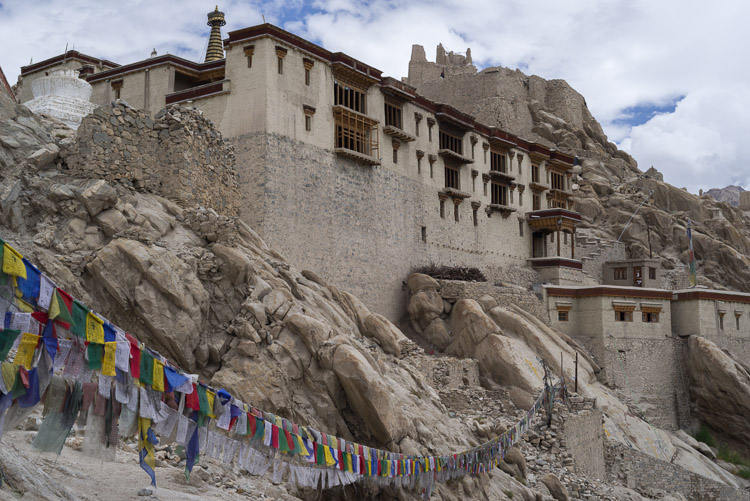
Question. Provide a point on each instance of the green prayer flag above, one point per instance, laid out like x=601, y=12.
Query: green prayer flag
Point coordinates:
x=283, y=444
x=320, y=458
x=260, y=428
x=202, y=398
x=7, y=338
x=18, y=389
x=147, y=369
x=63, y=315
x=80, y=312
x=95, y=356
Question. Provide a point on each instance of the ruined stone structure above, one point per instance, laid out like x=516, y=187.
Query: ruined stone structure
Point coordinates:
x=130, y=147
x=389, y=179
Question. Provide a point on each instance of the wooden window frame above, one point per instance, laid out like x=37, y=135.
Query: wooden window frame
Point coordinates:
x=452, y=177
x=393, y=115
x=499, y=194
x=452, y=142
x=498, y=161
x=620, y=273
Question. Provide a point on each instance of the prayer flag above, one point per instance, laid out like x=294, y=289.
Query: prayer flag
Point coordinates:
x=108, y=365
x=29, y=285
x=94, y=329
x=80, y=314
x=7, y=339
x=13, y=262
x=147, y=368
x=146, y=442
x=158, y=383
x=26, y=349
x=59, y=310
x=94, y=355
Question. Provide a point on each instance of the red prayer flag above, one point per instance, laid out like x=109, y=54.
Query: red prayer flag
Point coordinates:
x=341, y=460
x=191, y=400
x=292, y=443
x=135, y=358
x=274, y=436
x=251, y=423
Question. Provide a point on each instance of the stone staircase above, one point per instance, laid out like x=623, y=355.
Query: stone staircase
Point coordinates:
x=594, y=252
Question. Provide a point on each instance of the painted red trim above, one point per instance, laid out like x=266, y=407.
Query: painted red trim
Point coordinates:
x=713, y=296
x=195, y=92
x=631, y=292
x=558, y=262
x=4, y=81
x=71, y=54
x=156, y=61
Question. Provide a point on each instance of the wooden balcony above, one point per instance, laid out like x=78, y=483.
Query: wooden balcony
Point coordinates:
x=355, y=135
x=456, y=157
x=398, y=133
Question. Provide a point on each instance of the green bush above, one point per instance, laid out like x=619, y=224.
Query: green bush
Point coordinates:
x=704, y=435
x=744, y=473
x=509, y=494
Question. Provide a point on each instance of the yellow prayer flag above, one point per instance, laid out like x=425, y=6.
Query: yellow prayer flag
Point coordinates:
x=24, y=306
x=349, y=463
x=329, y=457
x=108, y=364
x=302, y=450
x=54, y=307
x=13, y=262
x=334, y=443
x=26, y=348
x=158, y=383
x=94, y=329
x=209, y=397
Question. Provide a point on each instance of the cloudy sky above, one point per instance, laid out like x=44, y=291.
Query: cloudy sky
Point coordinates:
x=667, y=79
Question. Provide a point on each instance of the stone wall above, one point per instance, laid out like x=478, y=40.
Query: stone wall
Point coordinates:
x=178, y=154
x=365, y=228
x=645, y=473
x=453, y=290
x=584, y=438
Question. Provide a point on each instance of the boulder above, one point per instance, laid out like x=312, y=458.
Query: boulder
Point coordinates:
x=368, y=395
x=388, y=336
x=424, y=307
x=96, y=196
x=515, y=457
x=419, y=282
x=111, y=222
x=438, y=333
x=556, y=488
x=720, y=388
x=313, y=332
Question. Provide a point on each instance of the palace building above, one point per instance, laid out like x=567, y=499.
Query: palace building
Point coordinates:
x=352, y=173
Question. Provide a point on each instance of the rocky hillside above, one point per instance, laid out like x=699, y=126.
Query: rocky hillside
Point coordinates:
x=609, y=186
x=729, y=194
x=204, y=289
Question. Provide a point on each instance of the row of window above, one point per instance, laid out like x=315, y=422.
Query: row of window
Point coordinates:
x=620, y=316
x=621, y=273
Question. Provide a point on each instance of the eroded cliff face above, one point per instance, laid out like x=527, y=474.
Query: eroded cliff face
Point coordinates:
x=608, y=185
x=204, y=289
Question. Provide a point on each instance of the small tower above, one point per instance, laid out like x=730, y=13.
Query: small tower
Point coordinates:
x=215, y=49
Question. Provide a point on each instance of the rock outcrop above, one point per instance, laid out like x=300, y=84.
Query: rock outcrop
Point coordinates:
x=729, y=194
x=720, y=387
x=203, y=288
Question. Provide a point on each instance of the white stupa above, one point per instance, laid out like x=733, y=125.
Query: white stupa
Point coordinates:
x=62, y=95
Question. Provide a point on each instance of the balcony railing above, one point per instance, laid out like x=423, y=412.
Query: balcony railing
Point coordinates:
x=355, y=135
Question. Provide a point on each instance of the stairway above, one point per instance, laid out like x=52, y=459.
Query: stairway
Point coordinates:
x=594, y=252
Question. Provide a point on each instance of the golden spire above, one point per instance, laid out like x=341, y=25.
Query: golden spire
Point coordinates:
x=215, y=49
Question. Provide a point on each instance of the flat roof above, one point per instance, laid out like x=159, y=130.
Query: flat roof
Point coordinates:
x=71, y=54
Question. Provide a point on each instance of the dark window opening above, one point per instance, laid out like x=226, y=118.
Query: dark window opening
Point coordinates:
x=536, y=201
x=520, y=228
x=652, y=273
x=350, y=97
x=307, y=76
x=308, y=123
x=621, y=273
x=475, y=215
x=562, y=316
x=498, y=162
x=393, y=116
x=623, y=316
x=452, y=179
x=424, y=234
x=395, y=156
x=442, y=209
x=534, y=173
x=558, y=181
x=455, y=212
x=281, y=66
x=451, y=142
x=650, y=318
x=499, y=194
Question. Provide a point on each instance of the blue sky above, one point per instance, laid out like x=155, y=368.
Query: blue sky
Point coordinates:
x=664, y=78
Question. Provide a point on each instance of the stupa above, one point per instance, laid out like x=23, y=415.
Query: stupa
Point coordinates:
x=62, y=95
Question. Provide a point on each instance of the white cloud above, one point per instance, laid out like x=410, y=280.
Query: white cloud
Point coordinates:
x=619, y=55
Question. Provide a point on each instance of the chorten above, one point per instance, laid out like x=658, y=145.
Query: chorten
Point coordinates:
x=215, y=49
x=62, y=95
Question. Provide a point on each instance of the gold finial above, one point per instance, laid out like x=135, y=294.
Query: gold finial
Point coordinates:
x=215, y=49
